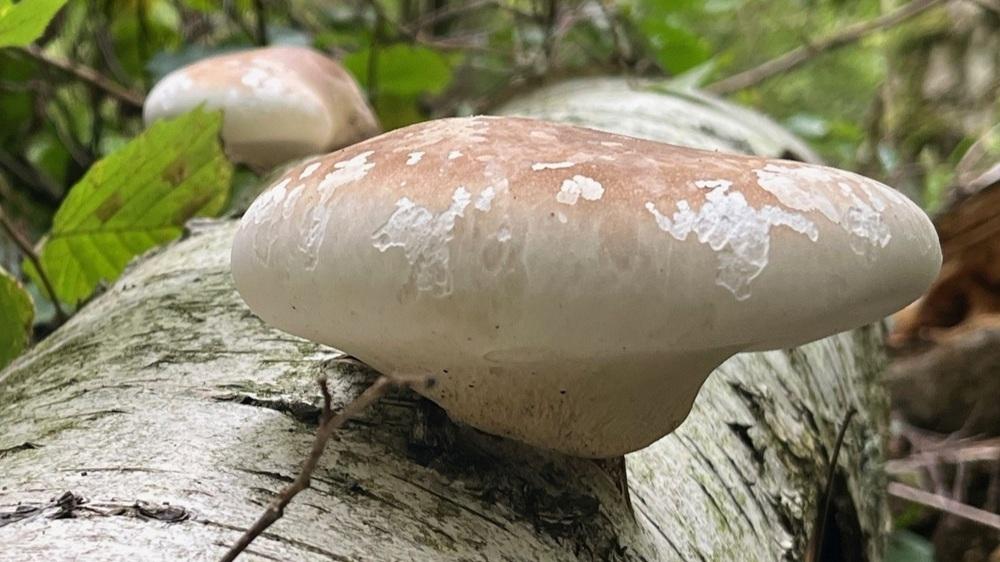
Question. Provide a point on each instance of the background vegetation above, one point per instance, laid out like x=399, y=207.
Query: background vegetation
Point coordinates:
x=897, y=91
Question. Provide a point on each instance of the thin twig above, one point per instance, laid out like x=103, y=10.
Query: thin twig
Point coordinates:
x=800, y=55
x=87, y=75
x=986, y=450
x=622, y=48
x=64, y=132
x=102, y=37
x=387, y=31
x=373, y=47
x=261, y=21
x=991, y=5
x=41, y=185
x=830, y=473
x=328, y=424
x=447, y=12
x=29, y=253
x=944, y=504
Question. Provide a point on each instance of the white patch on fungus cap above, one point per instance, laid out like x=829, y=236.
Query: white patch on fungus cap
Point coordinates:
x=308, y=171
x=344, y=172
x=740, y=234
x=423, y=236
x=795, y=186
x=503, y=234
x=579, y=186
x=414, y=157
x=485, y=199
x=538, y=166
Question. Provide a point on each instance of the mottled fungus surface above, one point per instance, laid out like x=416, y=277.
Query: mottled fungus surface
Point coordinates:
x=278, y=103
x=571, y=288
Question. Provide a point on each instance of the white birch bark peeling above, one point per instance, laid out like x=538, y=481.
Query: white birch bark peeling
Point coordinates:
x=662, y=111
x=278, y=103
x=177, y=415
x=566, y=287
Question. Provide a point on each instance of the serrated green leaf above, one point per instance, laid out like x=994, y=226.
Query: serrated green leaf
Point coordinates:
x=22, y=23
x=16, y=316
x=135, y=199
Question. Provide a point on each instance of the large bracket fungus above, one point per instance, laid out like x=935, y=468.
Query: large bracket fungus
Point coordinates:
x=571, y=288
x=279, y=103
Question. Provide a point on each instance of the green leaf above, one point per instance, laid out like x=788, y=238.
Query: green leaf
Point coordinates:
x=16, y=316
x=907, y=546
x=403, y=74
x=677, y=49
x=22, y=23
x=136, y=198
x=402, y=70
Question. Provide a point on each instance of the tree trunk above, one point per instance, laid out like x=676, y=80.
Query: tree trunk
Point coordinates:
x=161, y=419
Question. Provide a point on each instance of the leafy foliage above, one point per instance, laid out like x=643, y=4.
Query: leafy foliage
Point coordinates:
x=133, y=200
x=906, y=546
x=677, y=48
x=402, y=70
x=16, y=315
x=22, y=23
x=419, y=60
x=402, y=75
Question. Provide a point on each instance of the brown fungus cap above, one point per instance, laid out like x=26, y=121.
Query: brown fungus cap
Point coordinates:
x=279, y=103
x=571, y=288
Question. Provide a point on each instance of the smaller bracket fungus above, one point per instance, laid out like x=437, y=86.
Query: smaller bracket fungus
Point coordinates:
x=570, y=288
x=279, y=103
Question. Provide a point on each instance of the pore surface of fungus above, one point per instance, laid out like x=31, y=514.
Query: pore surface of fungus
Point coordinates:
x=279, y=103
x=571, y=288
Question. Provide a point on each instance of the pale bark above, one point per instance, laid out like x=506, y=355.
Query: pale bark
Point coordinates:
x=177, y=415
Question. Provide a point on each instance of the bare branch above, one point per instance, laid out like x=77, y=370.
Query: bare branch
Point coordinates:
x=42, y=187
x=947, y=505
x=820, y=534
x=260, y=19
x=87, y=75
x=801, y=55
x=449, y=11
x=29, y=253
x=328, y=424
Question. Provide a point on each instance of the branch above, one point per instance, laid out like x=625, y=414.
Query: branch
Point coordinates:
x=819, y=535
x=449, y=11
x=328, y=424
x=229, y=7
x=801, y=55
x=260, y=20
x=29, y=253
x=88, y=75
x=41, y=185
x=944, y=504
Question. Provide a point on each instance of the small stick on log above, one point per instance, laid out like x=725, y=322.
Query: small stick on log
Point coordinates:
x=328, y=424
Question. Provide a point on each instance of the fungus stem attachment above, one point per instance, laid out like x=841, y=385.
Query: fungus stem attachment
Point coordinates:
x=327, y=425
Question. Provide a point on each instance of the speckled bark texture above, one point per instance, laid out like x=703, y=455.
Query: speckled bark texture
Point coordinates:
x=161, y=419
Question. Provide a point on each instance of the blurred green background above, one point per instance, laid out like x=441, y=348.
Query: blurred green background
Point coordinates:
x=900, y=99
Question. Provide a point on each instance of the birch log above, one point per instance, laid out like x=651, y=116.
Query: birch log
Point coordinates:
x=160, y=420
